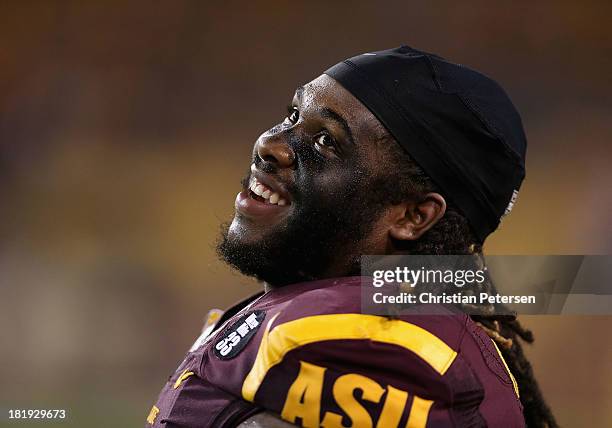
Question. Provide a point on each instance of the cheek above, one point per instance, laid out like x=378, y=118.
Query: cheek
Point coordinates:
x=331, y=187
x=331, y=181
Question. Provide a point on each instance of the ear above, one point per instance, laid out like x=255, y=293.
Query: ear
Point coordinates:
x=411, y=219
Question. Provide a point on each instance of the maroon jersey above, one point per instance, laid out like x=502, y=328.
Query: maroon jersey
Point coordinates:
x=306, y=353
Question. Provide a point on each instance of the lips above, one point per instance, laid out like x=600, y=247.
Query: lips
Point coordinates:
x=263, y=196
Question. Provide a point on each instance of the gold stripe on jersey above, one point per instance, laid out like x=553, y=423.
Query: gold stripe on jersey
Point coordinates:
x=514, y=384
x=275, y=344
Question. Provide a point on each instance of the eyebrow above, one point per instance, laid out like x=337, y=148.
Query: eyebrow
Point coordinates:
x=330, y=114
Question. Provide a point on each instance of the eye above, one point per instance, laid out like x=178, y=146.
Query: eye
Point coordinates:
x=325, y=141
x=293, y=114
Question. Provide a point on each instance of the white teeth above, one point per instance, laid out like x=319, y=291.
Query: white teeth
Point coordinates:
x=266, y=193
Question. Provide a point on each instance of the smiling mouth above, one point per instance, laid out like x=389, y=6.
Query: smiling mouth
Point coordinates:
x=262, y=193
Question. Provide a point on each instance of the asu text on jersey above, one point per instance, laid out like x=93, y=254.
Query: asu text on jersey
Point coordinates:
x=305, y=353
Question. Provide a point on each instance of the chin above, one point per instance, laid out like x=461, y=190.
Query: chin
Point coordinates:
x=245, y=231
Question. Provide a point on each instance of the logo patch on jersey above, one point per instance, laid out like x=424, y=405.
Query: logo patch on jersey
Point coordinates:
x=236, y=336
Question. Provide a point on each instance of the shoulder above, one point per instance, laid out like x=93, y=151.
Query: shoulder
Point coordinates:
x=311, y=363
x=335, y=313
x=317, y=352
x=324, y=327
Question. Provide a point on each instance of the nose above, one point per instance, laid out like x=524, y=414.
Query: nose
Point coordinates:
x=276, y=150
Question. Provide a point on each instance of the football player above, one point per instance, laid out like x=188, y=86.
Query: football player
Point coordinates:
x=390, y=152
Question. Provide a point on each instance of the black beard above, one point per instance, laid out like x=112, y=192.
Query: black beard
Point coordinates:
x=321, y=231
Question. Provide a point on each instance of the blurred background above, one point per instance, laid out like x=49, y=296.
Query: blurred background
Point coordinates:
x=125, y=128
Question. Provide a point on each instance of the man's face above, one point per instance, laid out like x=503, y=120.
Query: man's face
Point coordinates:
x=309, y=205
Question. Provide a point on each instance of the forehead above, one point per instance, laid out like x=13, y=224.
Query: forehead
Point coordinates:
x=325, y=92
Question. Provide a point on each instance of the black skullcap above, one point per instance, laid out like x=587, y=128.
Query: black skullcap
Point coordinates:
x=456, y=123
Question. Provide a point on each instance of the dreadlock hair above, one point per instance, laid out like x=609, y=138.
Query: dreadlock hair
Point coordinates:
x=452, y=235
